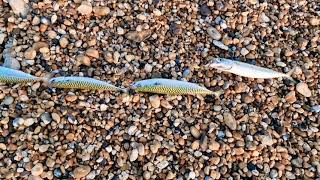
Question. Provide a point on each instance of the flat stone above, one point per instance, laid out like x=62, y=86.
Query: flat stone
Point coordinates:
x=85, y=8
x=230, y=121
x=101, y=10
x=81, y=171
x=92, y=53
x=195, y=132
x=155, y=101
x=37, y=169
x=303, y=89
x=134, y=155
x=214, y=33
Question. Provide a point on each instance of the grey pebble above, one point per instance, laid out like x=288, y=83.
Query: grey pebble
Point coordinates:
x=46, y=118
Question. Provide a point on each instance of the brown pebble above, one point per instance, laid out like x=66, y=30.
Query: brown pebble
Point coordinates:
x=303, y=89
x=30, y=53
x=214, y=146
x=37, y=169
x=92, y=52
x=230, y=121
x=85, y=8
x=195, y=132
x=84, y=60
x=291, y=97
x=37, y=45
x=71, y=98
x=63, y=42
x=139, y=36
x=101, y=10
x=81, y=171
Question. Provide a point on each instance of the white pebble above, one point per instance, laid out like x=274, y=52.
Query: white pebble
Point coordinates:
x=220, y=45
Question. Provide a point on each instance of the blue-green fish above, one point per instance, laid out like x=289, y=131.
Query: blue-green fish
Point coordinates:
x=76, y=82
x=8, y=75
x=172, y=87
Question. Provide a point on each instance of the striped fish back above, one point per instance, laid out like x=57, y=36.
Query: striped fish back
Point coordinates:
x=172, y=90
x=14, y=79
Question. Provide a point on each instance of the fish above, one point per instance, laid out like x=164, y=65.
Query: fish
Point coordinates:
x=171, y=87
x=8, y=75
x=77, y=82
x=245, y=69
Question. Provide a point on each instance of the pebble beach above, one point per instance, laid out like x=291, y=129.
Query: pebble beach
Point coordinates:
x=258, y=128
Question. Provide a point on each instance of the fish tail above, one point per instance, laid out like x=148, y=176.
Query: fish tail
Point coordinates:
x=48, y=76
x=122, y=90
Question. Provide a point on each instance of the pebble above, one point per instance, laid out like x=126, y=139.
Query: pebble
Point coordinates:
x=28, y=122
x=266, y=140
x=314, y=21
x=57, y=172
x=71, y=98
x=84, y=60
x=230, y=120
x=2, y=36
x=195, y=132
x=155, y=147
x=92, y=53
x=155, y=101
x=50, y=162
x=220, y=45
x=44, y=148
x=205, y=10
x=244, y=52
x=63, y=42
x=3, y=146
x=30, y=53
x=157, y=12
x=46, y=118
x=214, y=33
x=291, y=97
x=315, y=108
x=8, y=100
x=162, y=165
x=37, y=169
x=148, y=68
x=19, y=7
x=134, y=155
x=132, y=130
x=81, y=171
x=138, y=36
x=214, y=146
x=12, y=63
x=303, y=89
x=101, y=10
x=85, y=8
x=38, y=45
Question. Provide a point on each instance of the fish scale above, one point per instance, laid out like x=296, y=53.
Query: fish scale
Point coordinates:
x=8, y=75
x=171, y=87
x=75, y=82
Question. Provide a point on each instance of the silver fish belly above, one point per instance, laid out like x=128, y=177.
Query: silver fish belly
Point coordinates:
x=8, y=75
x=75, y=82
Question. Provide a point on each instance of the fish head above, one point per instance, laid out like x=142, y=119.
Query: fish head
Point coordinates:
x=136, y=85
x=220, y=64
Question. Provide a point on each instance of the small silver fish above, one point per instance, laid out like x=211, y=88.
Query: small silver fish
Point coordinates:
x=8, y=75
x=75, y=82
x=245, y=69
x=171, y=87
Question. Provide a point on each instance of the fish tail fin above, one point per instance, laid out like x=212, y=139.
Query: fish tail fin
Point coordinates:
x=289, y=75
x=45, y=79
x=123, y=90
x=218, y=93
